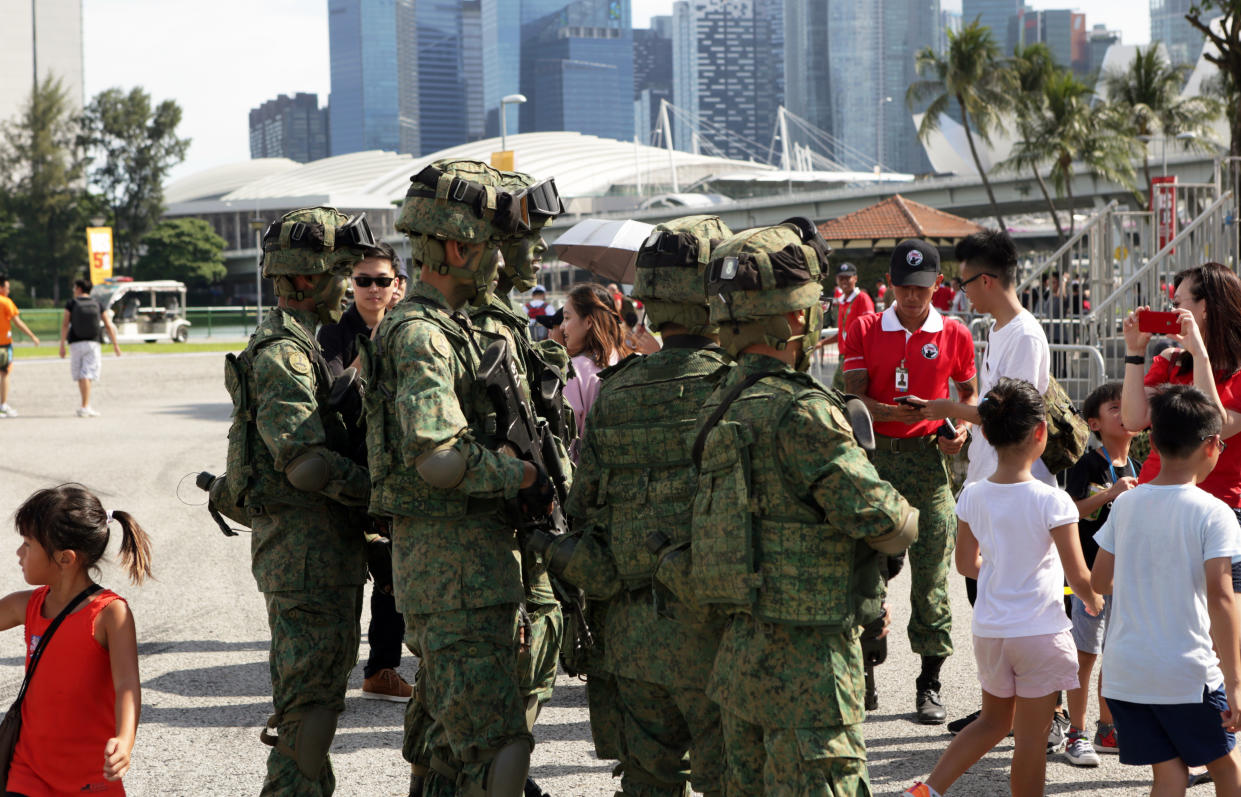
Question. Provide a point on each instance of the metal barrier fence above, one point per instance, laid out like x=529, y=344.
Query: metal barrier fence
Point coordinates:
x=207, y=322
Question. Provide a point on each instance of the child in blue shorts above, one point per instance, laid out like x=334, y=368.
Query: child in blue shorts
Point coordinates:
x=1094, y=482
x=1164, y=556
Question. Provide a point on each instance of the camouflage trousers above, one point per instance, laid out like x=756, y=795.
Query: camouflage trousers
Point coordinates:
x=469, y=689
x=922, y=478
x=661, y=661
x=315, y=635
x=794, y=762
x=536, y=664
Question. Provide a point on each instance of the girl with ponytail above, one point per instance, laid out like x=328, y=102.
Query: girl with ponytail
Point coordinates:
x=88, y=669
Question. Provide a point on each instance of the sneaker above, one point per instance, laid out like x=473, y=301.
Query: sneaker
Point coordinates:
x=958, y=725
x=1059, y=735
x=87, y=412
x=920, y=789
x=1199, y=776
x=387, y=685
x=1105, y=740
x=1079, y=751
x=7, y=412
x=533, y=789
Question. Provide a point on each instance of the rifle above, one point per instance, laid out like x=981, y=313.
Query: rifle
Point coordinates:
x=530, y=438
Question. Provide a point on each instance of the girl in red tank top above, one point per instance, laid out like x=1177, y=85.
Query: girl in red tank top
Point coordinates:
x=80, y=713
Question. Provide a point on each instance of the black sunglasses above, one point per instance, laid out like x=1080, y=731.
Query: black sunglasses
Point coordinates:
x=366, y=281
x=976, y=276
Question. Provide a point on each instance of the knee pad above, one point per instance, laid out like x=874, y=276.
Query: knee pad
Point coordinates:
x=506, y=777
x=314, y=737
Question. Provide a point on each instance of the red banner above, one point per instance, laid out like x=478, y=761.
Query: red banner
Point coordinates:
x=1163, y=204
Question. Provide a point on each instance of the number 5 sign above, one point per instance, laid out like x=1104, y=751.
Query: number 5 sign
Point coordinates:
x=99, y=244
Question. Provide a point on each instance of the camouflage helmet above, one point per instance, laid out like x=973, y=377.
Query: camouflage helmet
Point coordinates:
x=759, y=275
x=525, y=248
x=670, y=274
x=314, y=241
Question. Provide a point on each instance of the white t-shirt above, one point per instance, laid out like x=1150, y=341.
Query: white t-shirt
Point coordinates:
x=1018, y=350
x=1158, y=636
x=1021, y=581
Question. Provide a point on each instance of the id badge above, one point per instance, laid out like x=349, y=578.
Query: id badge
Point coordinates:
x=902, y=380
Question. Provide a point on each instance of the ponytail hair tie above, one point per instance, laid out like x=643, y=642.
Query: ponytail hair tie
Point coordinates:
x=108, y=522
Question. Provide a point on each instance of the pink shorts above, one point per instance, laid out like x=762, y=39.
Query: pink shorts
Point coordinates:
x=1026, y=666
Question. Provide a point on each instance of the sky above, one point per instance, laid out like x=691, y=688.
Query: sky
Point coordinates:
x=221, y=59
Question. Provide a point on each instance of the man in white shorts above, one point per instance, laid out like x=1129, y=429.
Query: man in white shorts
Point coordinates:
x=81, y=329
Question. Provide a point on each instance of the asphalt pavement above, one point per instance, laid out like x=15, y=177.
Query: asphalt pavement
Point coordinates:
x=202, y=626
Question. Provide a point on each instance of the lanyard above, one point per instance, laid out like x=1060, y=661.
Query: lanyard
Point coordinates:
x=1111, y=469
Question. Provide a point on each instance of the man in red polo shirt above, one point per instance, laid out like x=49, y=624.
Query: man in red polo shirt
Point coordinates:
x=911, y=352
x=851, y=302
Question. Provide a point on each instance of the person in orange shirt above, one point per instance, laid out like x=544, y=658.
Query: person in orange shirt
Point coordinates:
x=8, y=318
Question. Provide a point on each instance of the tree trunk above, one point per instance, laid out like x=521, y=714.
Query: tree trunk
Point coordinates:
x=1042, y=184
x=1068, y=189
x=1146, y=169
x=969, y=136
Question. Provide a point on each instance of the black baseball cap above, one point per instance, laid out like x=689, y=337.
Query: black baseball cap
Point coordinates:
x=914, y=262
x=847, y=269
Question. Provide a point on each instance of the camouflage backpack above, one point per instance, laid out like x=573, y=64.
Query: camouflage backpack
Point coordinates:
x=1067, y=431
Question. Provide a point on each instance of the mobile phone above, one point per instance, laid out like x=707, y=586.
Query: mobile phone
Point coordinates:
x=946, y=429
x=1159, y=323
x=912, y=401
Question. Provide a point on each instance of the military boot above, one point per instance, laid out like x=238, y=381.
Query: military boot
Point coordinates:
x=927, y=703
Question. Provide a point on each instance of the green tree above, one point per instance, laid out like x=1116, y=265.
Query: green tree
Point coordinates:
x=182, y=249
x=972, y=74
x=41, y=195
x=1227, y=56
x=1064, y=129
x=1033, y=67
x=1148, y=95
x=131, y=147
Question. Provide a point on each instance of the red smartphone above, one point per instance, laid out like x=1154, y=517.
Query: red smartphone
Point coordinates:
x=1159, y=323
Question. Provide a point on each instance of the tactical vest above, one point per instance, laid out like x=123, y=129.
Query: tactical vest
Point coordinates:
x=757, y=546
x=252, y=479
x=397, y=488
x=641, y=429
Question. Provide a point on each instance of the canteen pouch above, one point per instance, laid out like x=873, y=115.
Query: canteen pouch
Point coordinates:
x=1067, y=431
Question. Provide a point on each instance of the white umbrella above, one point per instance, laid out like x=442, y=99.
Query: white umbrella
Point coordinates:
x=607, y=247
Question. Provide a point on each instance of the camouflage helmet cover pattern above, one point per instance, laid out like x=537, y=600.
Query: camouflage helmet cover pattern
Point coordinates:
x=432, y=210
x=284, y=256
x=522, y=252
x=670, y=273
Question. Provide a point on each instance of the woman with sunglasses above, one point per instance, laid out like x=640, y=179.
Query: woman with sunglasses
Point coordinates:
x=1208, y=299
x=374, y=282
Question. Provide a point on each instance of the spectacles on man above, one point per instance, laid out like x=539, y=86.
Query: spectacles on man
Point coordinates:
x=1219, y=441
x=976, y=276
x=366, y=281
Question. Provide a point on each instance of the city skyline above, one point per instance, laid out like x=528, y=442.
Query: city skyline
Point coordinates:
x=221, y=69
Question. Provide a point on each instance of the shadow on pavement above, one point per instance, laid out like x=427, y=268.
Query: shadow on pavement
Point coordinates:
x=198, y=646
x=207, y=410
x=560, y=770
x=231, y=680
x=231, y=715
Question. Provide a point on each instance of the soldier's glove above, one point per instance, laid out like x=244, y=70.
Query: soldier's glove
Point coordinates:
x=536, y=500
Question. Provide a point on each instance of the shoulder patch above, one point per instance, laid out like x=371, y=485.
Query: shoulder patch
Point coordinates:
x=298, y=362
x=439, y=343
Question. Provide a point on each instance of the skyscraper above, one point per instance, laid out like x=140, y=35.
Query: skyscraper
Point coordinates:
x=1168, y=25
x=290, y=127
x=1062, y=30
x=994, y=14
x=577, y=67
x=362, y=39
x=847, y=67
x=652, y=74
x=728, y=60
x=37, y=40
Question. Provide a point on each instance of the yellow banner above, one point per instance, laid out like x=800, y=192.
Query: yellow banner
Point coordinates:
x=503, y=160
x=99, y=244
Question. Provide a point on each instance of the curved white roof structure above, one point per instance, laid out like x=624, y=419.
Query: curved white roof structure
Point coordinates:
x=584, y=166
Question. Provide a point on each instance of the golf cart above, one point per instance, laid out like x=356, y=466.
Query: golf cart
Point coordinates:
x=144, y=312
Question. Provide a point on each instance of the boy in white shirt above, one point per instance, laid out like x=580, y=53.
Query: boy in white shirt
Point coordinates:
x=1166, y=687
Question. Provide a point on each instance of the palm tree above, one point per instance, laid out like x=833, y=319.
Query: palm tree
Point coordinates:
x=972, y=74
x=1032, y=68
x=1148, y=94
x=1064, y=129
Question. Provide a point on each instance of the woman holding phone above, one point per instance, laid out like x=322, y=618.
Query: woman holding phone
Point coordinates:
x=1207, y=299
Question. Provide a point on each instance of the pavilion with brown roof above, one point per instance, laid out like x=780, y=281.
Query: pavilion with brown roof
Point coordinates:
x=886, y=223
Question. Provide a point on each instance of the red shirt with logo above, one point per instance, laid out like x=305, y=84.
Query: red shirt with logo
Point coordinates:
x=941, y=350
x=856, y=304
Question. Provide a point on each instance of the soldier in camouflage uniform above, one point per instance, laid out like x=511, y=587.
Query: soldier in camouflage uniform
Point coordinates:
x=634, y=479
x=301, y=494
x=788, y=522
x=457, y=566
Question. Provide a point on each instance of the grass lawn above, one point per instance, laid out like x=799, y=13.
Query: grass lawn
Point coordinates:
x=28, y=352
